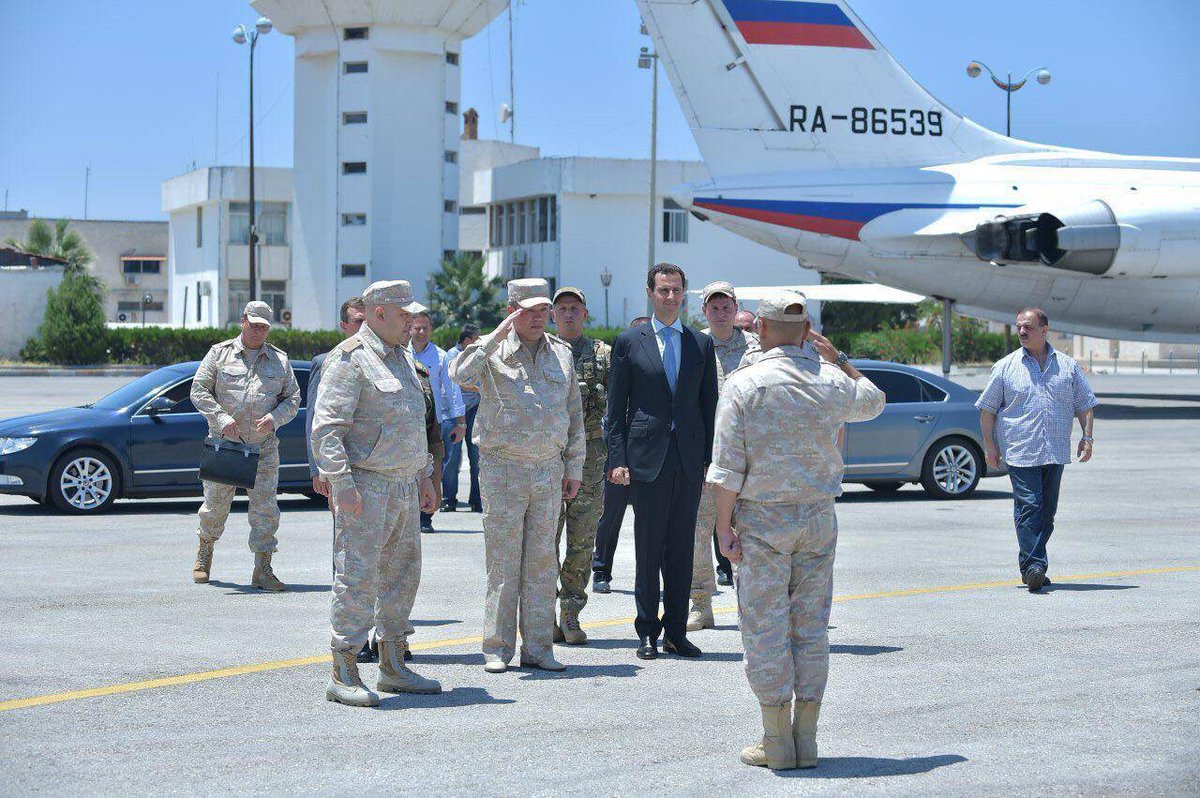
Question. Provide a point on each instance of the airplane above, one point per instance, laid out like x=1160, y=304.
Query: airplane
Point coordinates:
x=820, y=145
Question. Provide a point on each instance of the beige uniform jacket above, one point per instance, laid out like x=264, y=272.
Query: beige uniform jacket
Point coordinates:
x=729, y=353
x=529, y=407
x=238, y=384
x=369, y=413
x=777, y=424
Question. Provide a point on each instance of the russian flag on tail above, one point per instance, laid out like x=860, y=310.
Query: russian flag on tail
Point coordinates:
x=796, y=23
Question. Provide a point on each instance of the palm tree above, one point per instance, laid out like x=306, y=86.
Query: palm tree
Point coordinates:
x=61, y=242
x=462, y=293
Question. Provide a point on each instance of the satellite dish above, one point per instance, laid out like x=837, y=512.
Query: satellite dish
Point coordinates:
x=506, y=112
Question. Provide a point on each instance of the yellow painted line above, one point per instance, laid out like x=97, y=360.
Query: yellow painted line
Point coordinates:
x=262, y=667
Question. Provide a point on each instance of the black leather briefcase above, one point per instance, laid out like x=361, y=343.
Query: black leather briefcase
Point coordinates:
x=229, y=462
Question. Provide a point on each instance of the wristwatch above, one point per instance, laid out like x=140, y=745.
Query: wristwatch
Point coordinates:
x=1087, y=438
x=842, y=358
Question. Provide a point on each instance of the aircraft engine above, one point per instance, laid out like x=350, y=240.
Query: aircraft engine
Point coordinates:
x=1121, y=239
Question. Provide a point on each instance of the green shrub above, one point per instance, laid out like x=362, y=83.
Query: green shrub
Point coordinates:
x=161, y=345
x=447, y=337
x=972, y=344
x=73, y=331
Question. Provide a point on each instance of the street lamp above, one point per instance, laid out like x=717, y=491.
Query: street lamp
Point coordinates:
x=606, y=281
x=649, y=60
x=146, y=300
x=975, y=69
x=262, y=27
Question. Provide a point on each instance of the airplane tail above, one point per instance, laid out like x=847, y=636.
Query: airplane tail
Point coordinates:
x=787, y=85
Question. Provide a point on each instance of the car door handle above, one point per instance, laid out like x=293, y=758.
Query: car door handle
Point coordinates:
x=924, y=419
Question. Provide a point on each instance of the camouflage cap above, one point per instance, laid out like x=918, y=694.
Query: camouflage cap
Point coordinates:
x=391, y=292
x=529, y=292
x=774, y=306
x=717, y=287
x=571, y=290
x=258, y=312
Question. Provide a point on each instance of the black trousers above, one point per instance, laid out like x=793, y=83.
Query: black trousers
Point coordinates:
x=664, y=528
x=608, y=531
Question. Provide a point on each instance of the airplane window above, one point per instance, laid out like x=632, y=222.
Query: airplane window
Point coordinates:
x=899, y=388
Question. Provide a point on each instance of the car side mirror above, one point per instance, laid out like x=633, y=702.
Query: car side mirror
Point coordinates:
x=159, y=404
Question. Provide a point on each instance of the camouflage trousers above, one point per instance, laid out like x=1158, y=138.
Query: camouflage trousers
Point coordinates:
x=264, y=506
x=580, y=516
x=785, y=588
x=377, y=562
x=704, y=574
x=521, y=502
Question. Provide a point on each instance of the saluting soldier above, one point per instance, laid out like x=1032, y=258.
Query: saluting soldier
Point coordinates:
x=581, y=514
x=369, y=439
x=246, y=389
x=531, y=443
x=777, y=482
x=720, y=307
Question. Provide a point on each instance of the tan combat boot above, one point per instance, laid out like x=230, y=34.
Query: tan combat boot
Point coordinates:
x=777, y=750
x=263, y=577
x=804, y=730
x=572, y=633
x=346, y=686
x=394, y=675
x=203, y=565
x=701, y=616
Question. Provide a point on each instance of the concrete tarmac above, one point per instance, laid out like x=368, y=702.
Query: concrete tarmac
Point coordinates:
x=118, y=675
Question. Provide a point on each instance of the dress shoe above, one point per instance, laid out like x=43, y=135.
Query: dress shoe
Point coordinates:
x=681, y=647
x=600, y=583
x=1035, y=577
x=369, y=652
x=648, y=649
x=724, y=578
x=427, y=529
x=449, y=507
x=477, y=508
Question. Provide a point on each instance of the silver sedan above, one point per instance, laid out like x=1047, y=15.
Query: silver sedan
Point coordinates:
x=928, y=433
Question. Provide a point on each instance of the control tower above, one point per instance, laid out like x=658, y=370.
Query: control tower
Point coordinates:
x=376, y=142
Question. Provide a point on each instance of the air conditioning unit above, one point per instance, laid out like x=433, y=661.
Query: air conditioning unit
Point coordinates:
x=286, y=317
x=132, y=279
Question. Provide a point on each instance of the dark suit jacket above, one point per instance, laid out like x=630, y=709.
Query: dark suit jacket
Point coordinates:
x=641, y=407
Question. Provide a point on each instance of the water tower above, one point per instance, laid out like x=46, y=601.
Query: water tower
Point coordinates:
x=376, y=141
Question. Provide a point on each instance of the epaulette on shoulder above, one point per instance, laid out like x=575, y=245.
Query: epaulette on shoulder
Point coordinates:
x=554, y=339
x=225, y=343
x=350, y=344
x=277, y=349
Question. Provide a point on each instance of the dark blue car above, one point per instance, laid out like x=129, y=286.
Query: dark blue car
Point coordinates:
x=141, y=441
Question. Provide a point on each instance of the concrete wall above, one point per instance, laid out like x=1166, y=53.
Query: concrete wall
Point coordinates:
x=22, y=305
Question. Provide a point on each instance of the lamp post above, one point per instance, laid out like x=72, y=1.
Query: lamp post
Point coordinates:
x=975, y=69
x=606, y=281
x=649, y=60
x=146, y=300
x=262, y=26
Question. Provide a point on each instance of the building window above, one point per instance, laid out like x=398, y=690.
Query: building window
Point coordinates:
x=520, y=239
x=448, y=254
x=543, y=219
x=451, y=156
x=452, y=59
x=199, y=226
x=352, y=34
x=449, y=206
x=451, y=108
x=497, y=226
x=272, y=223
x=354, y=118
x=674, y=223
x=274, y=293
x=141, y=265
x=472, y=210
x=510, y=237
x=125, y=306
x=239, y=295
x=354, y=270
x=354, y=67
x=354, y=219
x=554, y=218
x=354, y=167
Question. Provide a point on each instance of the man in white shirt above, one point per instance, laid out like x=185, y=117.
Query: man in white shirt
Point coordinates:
x=447, y=396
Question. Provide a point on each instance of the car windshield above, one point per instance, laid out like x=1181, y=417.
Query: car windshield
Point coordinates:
x=129, y=394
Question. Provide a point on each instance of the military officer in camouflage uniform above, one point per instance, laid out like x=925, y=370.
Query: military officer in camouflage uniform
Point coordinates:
x=581, y=515
x=776, y=471
x=720, y=307
x=531, y=443
x=369, y=442
x=246, y=389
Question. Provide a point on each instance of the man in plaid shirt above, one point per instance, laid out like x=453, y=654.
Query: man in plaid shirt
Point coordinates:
x=1026, y=412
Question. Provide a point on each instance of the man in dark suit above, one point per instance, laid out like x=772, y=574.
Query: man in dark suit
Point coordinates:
x=662, y=401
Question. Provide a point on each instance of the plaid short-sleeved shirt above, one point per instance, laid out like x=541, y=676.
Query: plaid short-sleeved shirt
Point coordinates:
x=1035, y=406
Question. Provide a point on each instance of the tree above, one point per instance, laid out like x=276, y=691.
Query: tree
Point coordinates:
x=463, y=294
x=62, y=242
x=73, y=329
x=855, y=317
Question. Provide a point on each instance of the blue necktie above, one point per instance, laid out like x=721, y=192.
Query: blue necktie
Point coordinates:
x=672, y=368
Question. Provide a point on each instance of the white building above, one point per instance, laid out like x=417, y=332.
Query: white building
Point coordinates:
x=376, y=141
x=209, y=246
x=571, y=219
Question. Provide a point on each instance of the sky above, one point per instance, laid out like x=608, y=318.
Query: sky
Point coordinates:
x=130, y=88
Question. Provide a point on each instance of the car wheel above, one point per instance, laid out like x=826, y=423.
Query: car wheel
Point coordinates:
x=952, y=469
x=885, y=487
x=84, y=481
